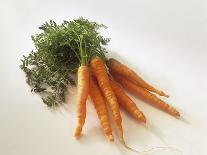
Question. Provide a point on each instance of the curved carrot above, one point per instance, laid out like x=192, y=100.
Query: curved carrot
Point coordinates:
x=128, y=73
x=100, y=106
x=98, y=68
x=125, y=101
x=151, y=98
x=83, y=90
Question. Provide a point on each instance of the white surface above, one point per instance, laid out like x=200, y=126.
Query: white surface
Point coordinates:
x=164, y=40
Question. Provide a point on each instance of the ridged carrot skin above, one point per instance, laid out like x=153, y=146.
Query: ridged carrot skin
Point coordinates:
x=100, y=106
x=121, y=69
x=83, y=91
x=144, y=94
x=125, y=101
x=99, y=69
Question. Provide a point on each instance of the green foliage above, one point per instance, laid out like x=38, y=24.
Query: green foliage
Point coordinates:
x=60, y=50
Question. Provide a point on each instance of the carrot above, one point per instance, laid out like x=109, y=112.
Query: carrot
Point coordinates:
x=119, y=68
x=100, y=106
x=151, y=98
x=98, y=68
x=83, y=91
x=125, y=101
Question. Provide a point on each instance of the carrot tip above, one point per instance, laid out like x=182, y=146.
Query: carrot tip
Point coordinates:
x=77, y=136
x=178, y=115
x=78, y=133
x=145, y=125
x=163, y=94
x=111, y=138
x=143, y=119
x=166, y=96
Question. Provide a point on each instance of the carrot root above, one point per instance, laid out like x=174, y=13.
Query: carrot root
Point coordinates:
x=100, y=106
x=83, y=90
x=99, y=70
x=125, y=101
x=121, y=69
x=141, y=92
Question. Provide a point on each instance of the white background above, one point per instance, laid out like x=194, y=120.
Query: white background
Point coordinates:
x=164, y=40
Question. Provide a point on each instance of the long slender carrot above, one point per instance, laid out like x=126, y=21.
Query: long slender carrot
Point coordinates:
x=83, y=91
x=151, y=98
x=128, y=73
x=100, y=106
x=125, y=101
x=98, y=68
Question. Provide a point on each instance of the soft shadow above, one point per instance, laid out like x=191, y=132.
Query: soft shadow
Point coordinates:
x=155, y=131
x=68, y=106
x=56, y=110
x=151, y=127
x=93, y=135
x=96, y=134
x=185, y=117
x=122, y=149
x=185, y=120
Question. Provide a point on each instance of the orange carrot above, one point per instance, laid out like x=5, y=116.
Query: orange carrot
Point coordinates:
x=98, y=68
x=128, y=73
x=125, y=101
x=100, y=106
x=83, y=91
x=151, y=98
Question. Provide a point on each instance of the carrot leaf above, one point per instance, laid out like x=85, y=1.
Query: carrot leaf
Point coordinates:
x=59, y=51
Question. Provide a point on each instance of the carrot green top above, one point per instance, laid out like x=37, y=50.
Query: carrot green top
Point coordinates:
x=59, y=50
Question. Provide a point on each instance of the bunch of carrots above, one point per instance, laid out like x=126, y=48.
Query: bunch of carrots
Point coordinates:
x=104, y=82
x=77, y=45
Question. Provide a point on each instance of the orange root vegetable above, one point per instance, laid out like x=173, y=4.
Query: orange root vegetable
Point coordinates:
x=151, y=98
x=83, y=91
x=99, y=69
x=128, y=73
x=125, y=101
x=100, y=106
